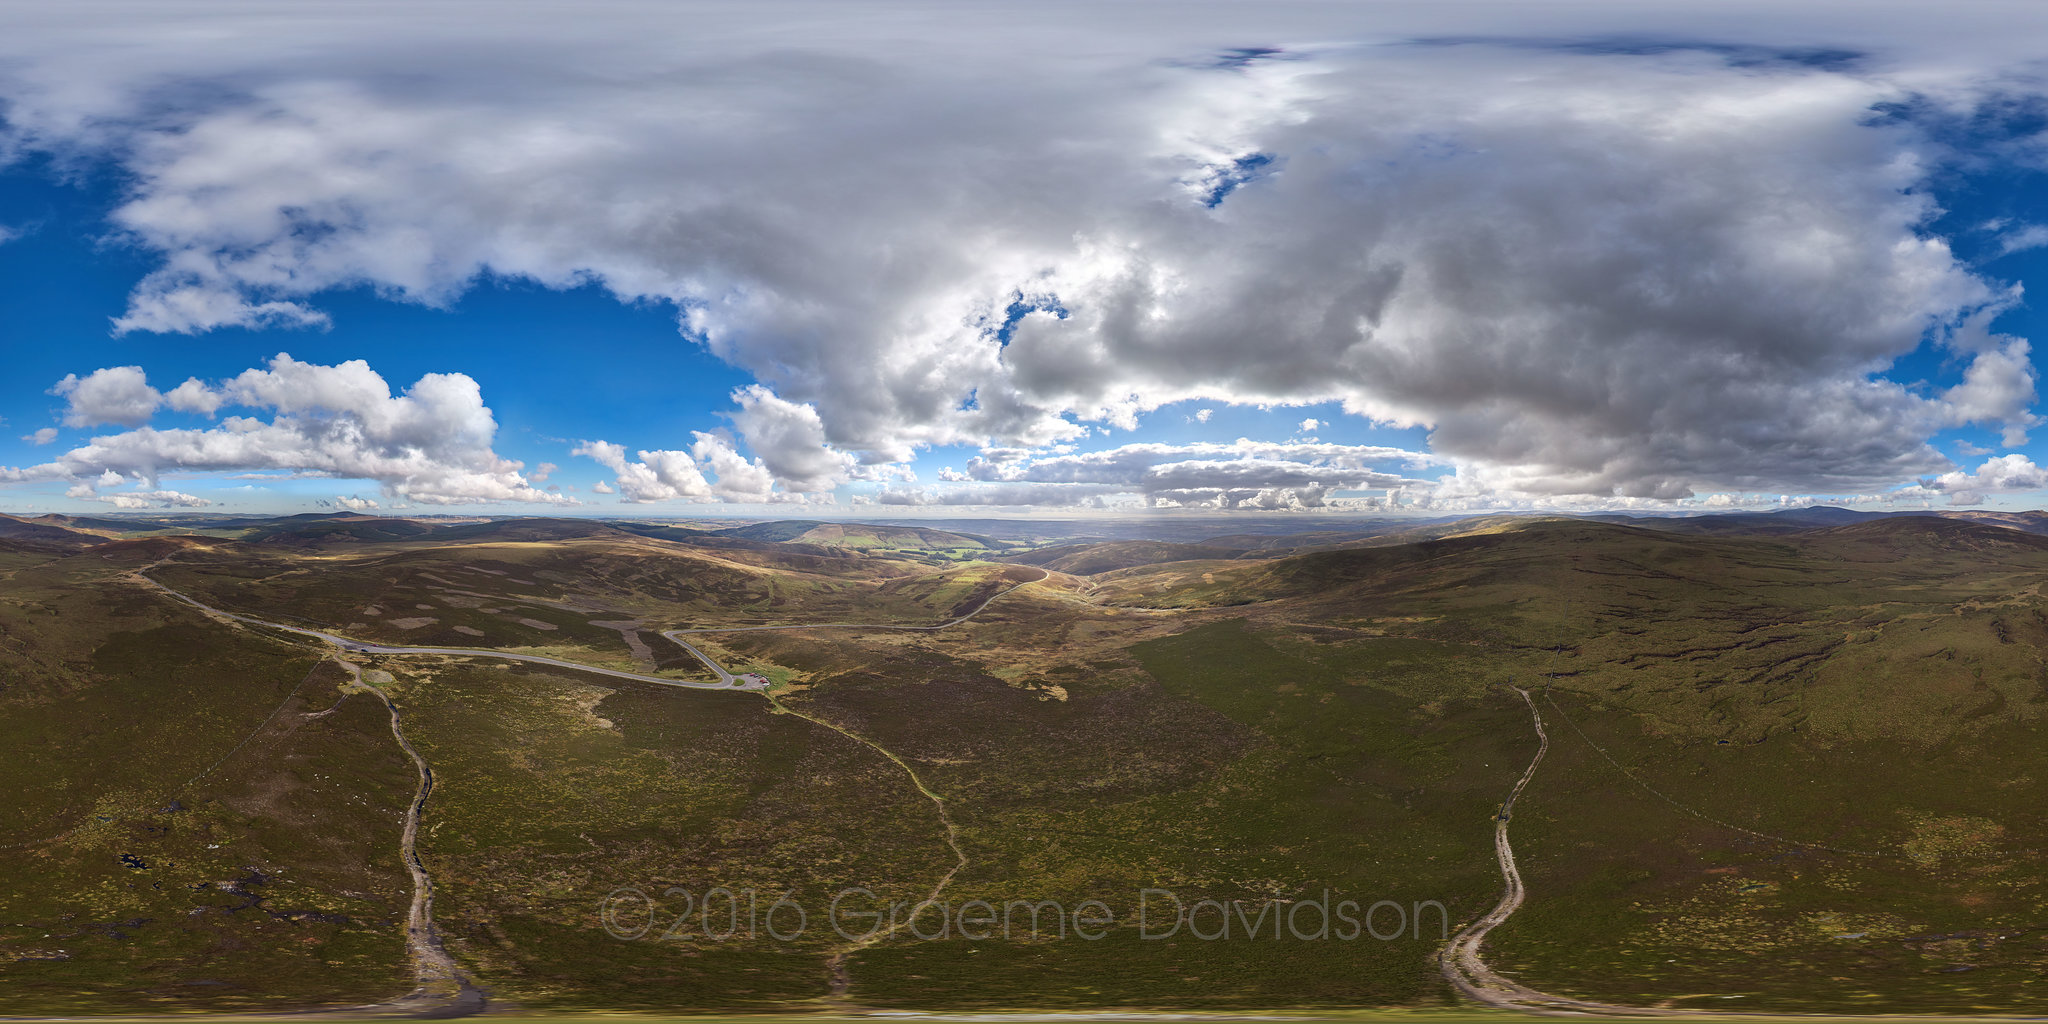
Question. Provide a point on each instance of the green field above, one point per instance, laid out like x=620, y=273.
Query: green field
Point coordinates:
x=1789, y=773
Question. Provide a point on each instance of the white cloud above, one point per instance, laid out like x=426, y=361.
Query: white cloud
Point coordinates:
x=194, y=396
x=1243, y=474
x=1997, y=389
x=541, y=472
x=1202, y=415
x=430, y=444
x=2006, y=474
x=118, y=394
x=737, y=478
x=150, y=499
x=2028, y=236
x=41, y=437
x=789, y=440
x=1612, y=274
x=657, y=476
x=354, y=503
x=1310, y=425
x=712, y=470
x=601, y=487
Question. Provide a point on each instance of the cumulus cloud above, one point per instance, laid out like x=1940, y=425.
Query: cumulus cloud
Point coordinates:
x=2006, y=474
x=789, y=440
x=122, y=396
x=41, y=437
x=430, y=444
x=353, y=503
x=711, y=470
x=1587, y=271
x=149, y=499
x=1997, y=389
x=118, y=395
x=1243, y=474
x=657, y=476
x=737, y=478
x=194, y=396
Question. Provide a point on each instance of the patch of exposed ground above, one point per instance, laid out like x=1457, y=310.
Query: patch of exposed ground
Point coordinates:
x=628, y=631
x=586, y=699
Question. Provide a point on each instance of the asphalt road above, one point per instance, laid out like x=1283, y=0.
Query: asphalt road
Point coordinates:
x=724, y=681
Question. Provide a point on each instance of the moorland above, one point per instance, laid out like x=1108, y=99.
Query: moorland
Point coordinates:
x=1793, y=762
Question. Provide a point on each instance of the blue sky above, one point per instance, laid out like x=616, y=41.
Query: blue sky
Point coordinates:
x=663, y=261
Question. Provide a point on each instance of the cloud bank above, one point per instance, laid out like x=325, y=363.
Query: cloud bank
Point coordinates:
x=1589, y=271
x=430, y=444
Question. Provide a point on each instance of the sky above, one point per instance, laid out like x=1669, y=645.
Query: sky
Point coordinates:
x=800, y=258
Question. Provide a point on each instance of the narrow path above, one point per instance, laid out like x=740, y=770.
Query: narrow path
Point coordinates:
x=1467, y=971
x=1693, y=812
x=841, y=981
x=444, y=989
x=836, y=963
x=1460, y=960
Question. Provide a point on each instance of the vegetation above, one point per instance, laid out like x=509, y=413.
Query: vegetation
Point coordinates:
x=180, y=833
x=1790, y=769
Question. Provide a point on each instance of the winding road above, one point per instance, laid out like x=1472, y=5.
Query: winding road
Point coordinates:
x=724, y=680
x=836, y=964
x=444, y=990
x=1460, y=960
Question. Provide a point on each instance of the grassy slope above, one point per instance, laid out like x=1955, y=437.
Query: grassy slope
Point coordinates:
x=1876, y=687
x=1089, y=559
x=1228, y=730
x=1229, y=766
x=267, y=843
x=860, y=536
x=570, y=598
x=555, y=792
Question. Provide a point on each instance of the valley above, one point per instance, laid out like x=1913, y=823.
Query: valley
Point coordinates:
x=1781, y=766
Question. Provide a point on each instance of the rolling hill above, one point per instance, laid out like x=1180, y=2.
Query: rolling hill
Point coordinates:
x=1789, y=766
x=1107, y=556
x=35, y=533
x=859, y=536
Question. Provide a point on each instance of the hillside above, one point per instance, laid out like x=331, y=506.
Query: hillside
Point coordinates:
x=859, y=536
x=1089, y=559
x=1815, y=743
x=339, y=530
x=30, y=533
x=89, y=524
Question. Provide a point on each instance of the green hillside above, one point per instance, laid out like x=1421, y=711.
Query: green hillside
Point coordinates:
x=1788, y=771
